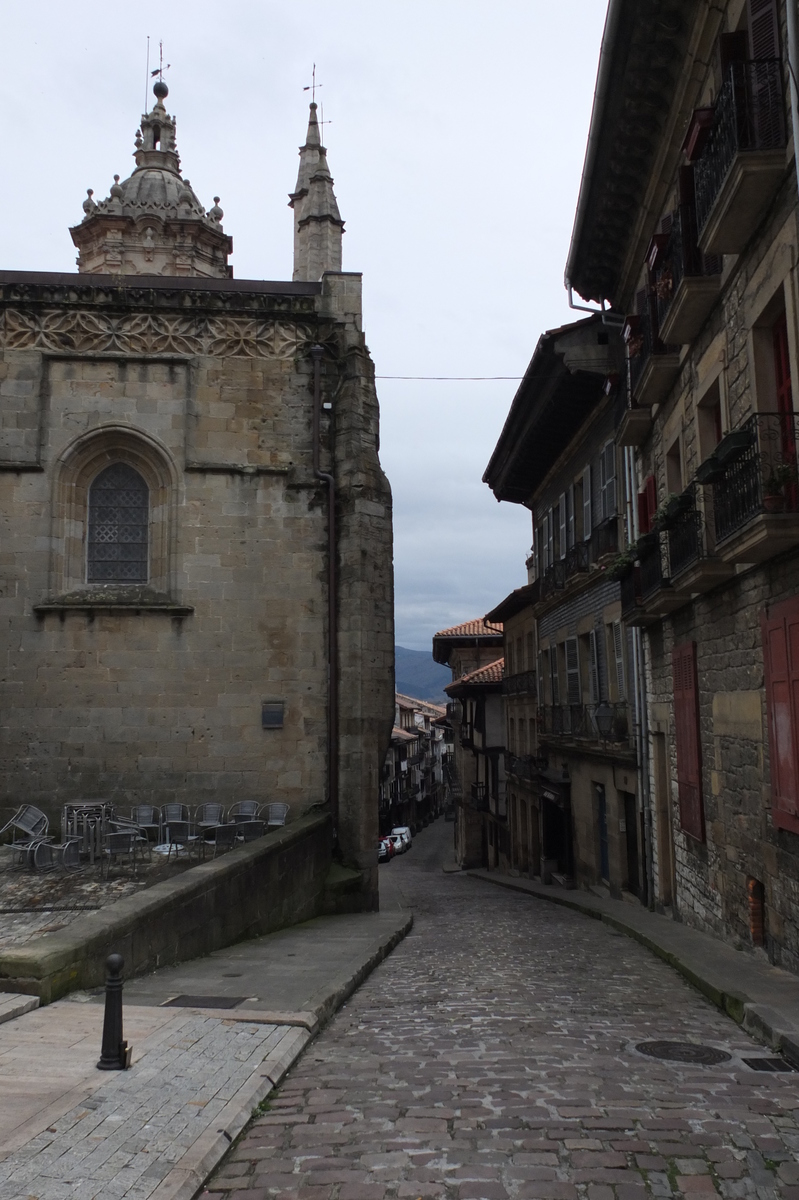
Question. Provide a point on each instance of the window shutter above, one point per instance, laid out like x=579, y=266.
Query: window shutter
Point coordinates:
x=550, y=537
x=608, y=467
x=570, y=538
x=587, y=523
x=782, y=372
x=618, y=654
x=763, y=29
x=530, y=665
x=562, y=522
x=780, y=630
x=573, y=695
x=686, y=728
x=593, y=666
x=553, y=674
x=541, y=677
x=651, y=492
x=643, y=513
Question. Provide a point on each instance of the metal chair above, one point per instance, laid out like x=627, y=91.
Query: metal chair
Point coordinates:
x=245, y=810
x=148, y=818
x=206, y=816
x=124, y=824
x=223, y=837
x=276, y=814
x=29, y=826
x=46, y=856
x=179, y=835
x=118, y=845
x=250, y=830
x=172, y=812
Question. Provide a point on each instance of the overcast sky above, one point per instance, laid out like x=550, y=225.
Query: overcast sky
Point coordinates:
x=456, y=140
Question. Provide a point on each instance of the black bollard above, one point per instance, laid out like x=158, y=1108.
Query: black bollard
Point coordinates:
x=115, y=1054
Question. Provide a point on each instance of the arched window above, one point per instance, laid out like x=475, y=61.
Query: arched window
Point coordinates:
x=119, y=503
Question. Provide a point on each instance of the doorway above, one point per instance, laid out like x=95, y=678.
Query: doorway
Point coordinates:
x=602, y=817
x=631, y=837
x=665, y=845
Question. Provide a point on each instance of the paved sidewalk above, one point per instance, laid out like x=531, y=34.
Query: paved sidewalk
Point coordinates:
x=69, y=1131
x=761, y=997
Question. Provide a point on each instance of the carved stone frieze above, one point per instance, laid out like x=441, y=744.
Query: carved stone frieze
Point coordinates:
x=82, y=332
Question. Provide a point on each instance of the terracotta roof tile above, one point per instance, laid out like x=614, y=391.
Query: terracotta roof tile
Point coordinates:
x=476, y=628
x=491, y=673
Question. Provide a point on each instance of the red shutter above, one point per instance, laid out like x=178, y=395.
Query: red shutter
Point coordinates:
x=780, y=629
x=686, y=727
x=763, y=29
x=782, y=365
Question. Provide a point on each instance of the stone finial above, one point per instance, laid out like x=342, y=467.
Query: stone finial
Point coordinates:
x=88, y=204
x=116, y=190
x=216, y=213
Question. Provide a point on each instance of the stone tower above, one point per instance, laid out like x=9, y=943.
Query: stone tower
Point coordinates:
x=317, y=222
x=153, y=223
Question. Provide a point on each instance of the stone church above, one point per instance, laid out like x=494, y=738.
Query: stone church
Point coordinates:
x=196, y=531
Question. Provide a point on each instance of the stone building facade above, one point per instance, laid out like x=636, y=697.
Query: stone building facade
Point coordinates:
x=197, y=578
x=698, y=251
x=572, y=707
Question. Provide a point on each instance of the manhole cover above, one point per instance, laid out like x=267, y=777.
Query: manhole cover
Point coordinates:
x=205, y=1002
x=685, y=1052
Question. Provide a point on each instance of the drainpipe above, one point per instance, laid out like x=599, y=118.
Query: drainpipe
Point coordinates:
x=332, y=605
x=793, y=71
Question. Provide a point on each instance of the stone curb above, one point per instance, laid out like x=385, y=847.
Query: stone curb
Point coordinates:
x=770, y=1025
x=188, y=1177
x=14, y=1004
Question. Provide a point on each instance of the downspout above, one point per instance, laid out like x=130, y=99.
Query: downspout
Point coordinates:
x=793, y=71
x=332, y=603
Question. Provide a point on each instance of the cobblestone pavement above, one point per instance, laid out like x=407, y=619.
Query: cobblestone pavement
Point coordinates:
x=493, y=1055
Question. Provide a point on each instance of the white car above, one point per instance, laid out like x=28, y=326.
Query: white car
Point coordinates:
x=403, y=832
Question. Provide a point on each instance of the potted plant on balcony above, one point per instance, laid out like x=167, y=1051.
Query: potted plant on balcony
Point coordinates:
x=622, y=565
x=777, y=476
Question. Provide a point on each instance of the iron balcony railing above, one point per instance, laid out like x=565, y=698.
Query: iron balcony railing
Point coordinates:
x=681, y=257
x=685, y=534
x=749, y=115
x=645, y=341
x=605, y=538
x=480, y=796
x=578, y=721
x=757, y=472
x=522, y=766
x=522, y=684
x=577, y=560
x=650, y=561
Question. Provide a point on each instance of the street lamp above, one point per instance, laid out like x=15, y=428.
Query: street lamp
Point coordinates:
x=603, y=715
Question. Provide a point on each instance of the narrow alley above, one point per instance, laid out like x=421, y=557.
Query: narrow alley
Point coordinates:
x=494, y=1054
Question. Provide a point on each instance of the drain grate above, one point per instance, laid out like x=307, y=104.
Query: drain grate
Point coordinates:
x=767, y=1064
x=204, y=1002
x=684, y=1052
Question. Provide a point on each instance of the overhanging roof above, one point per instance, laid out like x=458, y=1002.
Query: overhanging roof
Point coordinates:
x=642, y=55
x=519, y=599
x=553, y=401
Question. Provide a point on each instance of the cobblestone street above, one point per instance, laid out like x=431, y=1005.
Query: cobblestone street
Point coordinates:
x=493, y=1054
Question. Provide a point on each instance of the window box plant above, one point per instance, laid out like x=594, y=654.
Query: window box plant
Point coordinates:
x=777, y=477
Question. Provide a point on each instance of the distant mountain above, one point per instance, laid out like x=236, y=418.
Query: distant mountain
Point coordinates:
x=418, y=675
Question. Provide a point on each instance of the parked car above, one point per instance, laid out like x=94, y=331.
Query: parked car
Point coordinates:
x=397, y=844
x=403, y=832
x=384, y=854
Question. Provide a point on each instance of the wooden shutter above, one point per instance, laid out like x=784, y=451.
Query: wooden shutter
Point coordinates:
x=780, y=630
x=587, y=521
x=562, y=523
x=618, y=655
x=573, y=691
x=782, y=366
x=593, y=666
x=553, y=674
x=647, y=505
x=607, y=464
x=688, y=745
x=763, y=29
x=550, y=519
x=570, y=538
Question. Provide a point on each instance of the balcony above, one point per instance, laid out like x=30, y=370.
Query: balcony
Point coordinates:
x=634, y=426
x=692, y=566
x=521, y=766
x=743, y=163
x=480, y=798
x=653, y=365
x=521, y=684
x=753, y=477
x=578, y=722
x=576, y=562
x=605, y=539
x=687, y=282
x=658, y=596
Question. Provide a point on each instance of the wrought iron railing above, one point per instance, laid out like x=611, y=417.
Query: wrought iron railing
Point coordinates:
x=757, y=472
x=646, y=340
x=650, y=563
x=685, y=535
x=681, y=257
x=749, y=115
x=480, y=796
x=577, y=559
x=522, y=684
x=578, y=721
x=605, y=538
x=523, y=766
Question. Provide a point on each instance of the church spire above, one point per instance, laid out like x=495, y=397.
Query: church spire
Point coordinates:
x=317, y=222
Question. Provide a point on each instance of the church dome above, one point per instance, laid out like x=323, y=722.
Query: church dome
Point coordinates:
x=152, y=188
